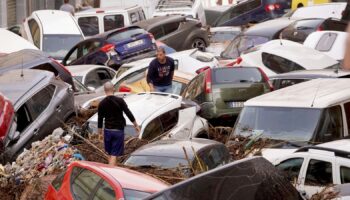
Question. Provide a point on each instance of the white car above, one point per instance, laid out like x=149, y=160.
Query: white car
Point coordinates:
x=11, y=42
x=148, y=6
x=161, y=115
x=331, y=43
x=92, y=76
x=100, y=20
x=54, y=32
x=281, y=56
x=220, y=38
x=316, y=167
x=188, y=8
x=324, y=11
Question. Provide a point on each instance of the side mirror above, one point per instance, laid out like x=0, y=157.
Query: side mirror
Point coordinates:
x=15, y=136
x=176, y=63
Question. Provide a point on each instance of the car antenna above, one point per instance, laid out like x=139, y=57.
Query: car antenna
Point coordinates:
x=313, y=100
x=336, y=70
x=22, y=74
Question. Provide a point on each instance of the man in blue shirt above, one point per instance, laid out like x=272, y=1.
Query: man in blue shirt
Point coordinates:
x=161, y=72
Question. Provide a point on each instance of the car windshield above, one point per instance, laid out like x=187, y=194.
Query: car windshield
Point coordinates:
x=126, y=34
x=158, y=161
x=223, y=36
x=237, y=75
x=130, y=194
x=279, y=123
x=241, y=44
x=57, y=46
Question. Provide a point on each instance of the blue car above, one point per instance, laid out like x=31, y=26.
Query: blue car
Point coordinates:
x=253, y=11
x=113, y=48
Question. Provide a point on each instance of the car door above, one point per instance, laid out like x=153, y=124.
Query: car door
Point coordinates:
x=85, y=52
x=172, y=35
x=318, y=174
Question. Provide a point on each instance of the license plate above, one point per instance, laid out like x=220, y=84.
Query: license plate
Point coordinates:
x=134, y=44
x=236, y=104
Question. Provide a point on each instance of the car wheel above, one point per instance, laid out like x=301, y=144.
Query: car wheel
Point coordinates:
x=198, y=43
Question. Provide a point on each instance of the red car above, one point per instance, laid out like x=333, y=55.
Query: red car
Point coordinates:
x=89, y=180
x=6, y=118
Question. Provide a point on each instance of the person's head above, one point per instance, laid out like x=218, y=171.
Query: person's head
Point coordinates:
x=66, y=1
x=109, y=88
x=160, y=54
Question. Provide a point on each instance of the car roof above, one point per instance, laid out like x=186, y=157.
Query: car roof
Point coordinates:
x=317, y=93
x=174, y=147
x=108, y=33
x=57, y=22
x=14, y=86
x=11, y=42
x=156, y=21
x=342, y=145
x=311, y=74
x=127, y=178
x=82, y=70
x=296, y=52
x=269, y=28
x=105, y=10
x=225, y=29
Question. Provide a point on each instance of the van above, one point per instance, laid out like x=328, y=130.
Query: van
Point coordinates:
x=188, y=8
x=313, y=112
x=304, y=3
x=100, y=20
x=148, y=5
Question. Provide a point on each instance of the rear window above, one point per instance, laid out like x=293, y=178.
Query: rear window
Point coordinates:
x=111, y=22
x=279, y=64
x=125, y=34
x=89, y=25
x=237, y=75
x=326, y=42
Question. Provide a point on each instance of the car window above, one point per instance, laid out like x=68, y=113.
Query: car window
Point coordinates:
x=83, y=183
x=171, y=27
x=23, y=118
x=344, y=174
x=89, y=47
x=111, y=22
x=326, y=42
x=47, y=67
x=35, y=32
x=103, y=75
x=139, y=73
x=41, y=100
x=111, y=73
x=157, y=32
x=239, y=10
x=72, y=57
x=279, y=64
x=237, y=75
x=125, y=34
x=331, y=125
x=104, y=192
x=169, y=119
x=282, y=83
x=92, y=80
x=153, y=129
x=195, y=90
x=89, y=25
x=319, y=173
x=177, y=87
x=214, y=157
x=291, y=167
x=142, y=15
x=134, y=17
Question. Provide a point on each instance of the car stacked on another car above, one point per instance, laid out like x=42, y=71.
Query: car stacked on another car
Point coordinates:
x=172, y=29
x=12, y=42
x=41, y=103
x=113, y=48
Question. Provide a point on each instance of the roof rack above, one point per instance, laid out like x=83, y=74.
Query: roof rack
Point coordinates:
x=338, y=153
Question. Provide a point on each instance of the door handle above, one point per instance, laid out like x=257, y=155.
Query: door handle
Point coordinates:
x=36, y=131
x=59, y=108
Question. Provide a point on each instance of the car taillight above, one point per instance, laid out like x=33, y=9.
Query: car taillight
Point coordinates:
x=63, y=67
x=266, y=78
x=319, y=28
x=123, y=88
x=152, y=37
x=107, y=48
x=238, y=61
x=198, y=71
x=272, y=7
x=208, y=81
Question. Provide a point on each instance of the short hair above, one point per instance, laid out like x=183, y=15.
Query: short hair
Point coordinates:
x=108, y=87
x=66, y=1
x=160, y=49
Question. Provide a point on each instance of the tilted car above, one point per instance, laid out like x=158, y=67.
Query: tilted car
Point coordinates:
x=221, y=92
x=12, y=42
x=113, y=48
x=85, y=180
x=41, y=103
x=7, y=116
x=160, y=115
x=201, y=154
x=172, y=29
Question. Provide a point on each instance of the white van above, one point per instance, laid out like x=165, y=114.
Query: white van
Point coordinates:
x=99, y=20
x=148, y=5
x=54, y=32
x=315, y=111
x=189, y=8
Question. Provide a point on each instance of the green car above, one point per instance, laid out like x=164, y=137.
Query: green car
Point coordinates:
x=221, y=92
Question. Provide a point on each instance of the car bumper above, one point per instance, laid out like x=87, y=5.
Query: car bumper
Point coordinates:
x=210, y=111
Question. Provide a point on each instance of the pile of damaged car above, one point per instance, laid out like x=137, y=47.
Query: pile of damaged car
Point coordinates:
x=174, y=99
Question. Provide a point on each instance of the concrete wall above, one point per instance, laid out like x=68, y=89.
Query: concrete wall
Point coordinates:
x=3, y=13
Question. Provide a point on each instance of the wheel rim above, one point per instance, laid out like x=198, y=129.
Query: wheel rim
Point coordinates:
x=199, y=44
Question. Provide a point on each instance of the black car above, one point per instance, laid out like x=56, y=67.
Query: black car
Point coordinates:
x=34, y=59
x=113, y=48
x=300, y=29
x=178, y=32
x=253, y=11
x=41, y=103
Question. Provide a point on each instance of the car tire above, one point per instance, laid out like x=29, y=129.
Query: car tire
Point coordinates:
x=198, y=43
